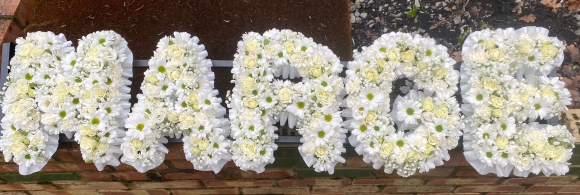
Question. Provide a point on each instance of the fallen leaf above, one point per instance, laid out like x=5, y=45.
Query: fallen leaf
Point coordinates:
x=372, y=36
x=574, y=53
x=552, y=4
x=575, y=95
x=568, y=83
x=448, y=9
x=573, y=4
x=528, y=18
x=518, y=7
x=457, y=56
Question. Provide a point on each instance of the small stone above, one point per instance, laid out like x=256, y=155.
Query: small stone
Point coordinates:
x=438, y=4
x=363, y=15
x=352, y=18
x=370, y=2
x=577, y=16
x=405, y=89
x=577, y=32
x=358, y=19
x=356, y=13
x=371, y=23
x=457, y=20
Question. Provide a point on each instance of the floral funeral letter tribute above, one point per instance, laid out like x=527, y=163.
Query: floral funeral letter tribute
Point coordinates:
x=178, y=99
x=258, y=100
x=34, y=95
x=504, y=85
x=427, y=119
x=97, y=80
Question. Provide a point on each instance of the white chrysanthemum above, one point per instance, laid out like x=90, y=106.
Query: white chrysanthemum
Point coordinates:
x=409, y=111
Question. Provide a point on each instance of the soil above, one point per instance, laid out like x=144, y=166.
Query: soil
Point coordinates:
x=371, y=18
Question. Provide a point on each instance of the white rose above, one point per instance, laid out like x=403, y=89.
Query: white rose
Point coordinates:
x=47, y=102
x=87, y=143
x=548, y=51
x=37, y=52
x=158, y=115
x=150, y=78
x=37, y=141
x=175, y=51
x=98, y=92
x=22, y=86
x=173, y=117
x=102, y=147
x=289, y=47
x=325, y=97
x=251, y=103
x=87, y=130
x=108, y=54
x=309, y=147
x=174, y=74
x=433, y=140
x=17, y=147
x=285, y=95
x=393, y=54
x=427, y=104
x=25, y=50
x=495, y=54
x=386, y=149
x=47, y=119
x=152, y=90
x=251, y=45
x=250, y=62
x=501, y=142
x=93, y=64
x=248, y=148
x=409, y=56
x=321, y=152
x=93, y=52
x=441, y=111
x=137, y=144
x=203, y=145
x=525, y=47
x=427, y=116
x=186, y=121
x=248, y=84
x=370, y=74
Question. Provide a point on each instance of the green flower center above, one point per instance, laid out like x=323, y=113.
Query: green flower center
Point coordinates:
x=140, y=127
x=370, y=96
x=300, y=105
x=362, y=128
x=503, y=126
x=410, y=111
x=439, y=128
x=328, y=118
x=429, y=52
x=101, y=41
x=486, y=136
x=479, y=97
x=62, y=114
x=537, y=106
x=489, y=154
x=269, y=99
x=531, y=58
x=321, y=134
x=400, y=143
x=207, y=102
x=504, y=155
x=324, y=83
x=95, y=121
x=161, y=69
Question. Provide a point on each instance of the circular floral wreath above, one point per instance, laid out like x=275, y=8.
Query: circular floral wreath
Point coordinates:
x=429, y=112
x=258, y=101
x=178, y=99
x=504, y=85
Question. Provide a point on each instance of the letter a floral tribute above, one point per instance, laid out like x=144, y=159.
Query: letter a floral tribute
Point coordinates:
x=258, y=100
x=98, y=96
x=504, y=85
x=32, y=100
x=178, y=99
x=429, y=112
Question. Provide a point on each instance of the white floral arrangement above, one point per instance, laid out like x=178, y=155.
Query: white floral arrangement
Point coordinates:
x=258, y=100
x=428, y=118
x=504, y=86
x=94, y=86
x=178, y=99
x=34, y=71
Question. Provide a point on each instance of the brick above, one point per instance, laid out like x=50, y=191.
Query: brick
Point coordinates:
x=75, y=167
x=356, y=163
x=456, y=161
x=418, y=188
x=126, y=167
x=269, y=174
x=296, y=182
x=336, y=189
x=180, y=184
x=24, y=11
x=470, y=172
x=554, y=188
x=91, y=185
x=182, y=164
x=25, y=186
x=8, y=7
x=113, y=176
x=13, y=193
x=524, y=193
x=9, y=31
x=226, y=183
x=469, y=189
x=356, y=173
x=408, y=181
x=437, y=172
x=529, y=180
x=68, y=155
x=230, y=173
x=206, y=191
x=276, y=190
x=448, y=193
x=175, y=151
x=63, y=192
x=134, y=192
x=39, y=177
x=189, y=175
x=10, y=167
x=463, y=181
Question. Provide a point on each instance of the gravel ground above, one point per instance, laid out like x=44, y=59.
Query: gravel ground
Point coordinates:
x=449, y=22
